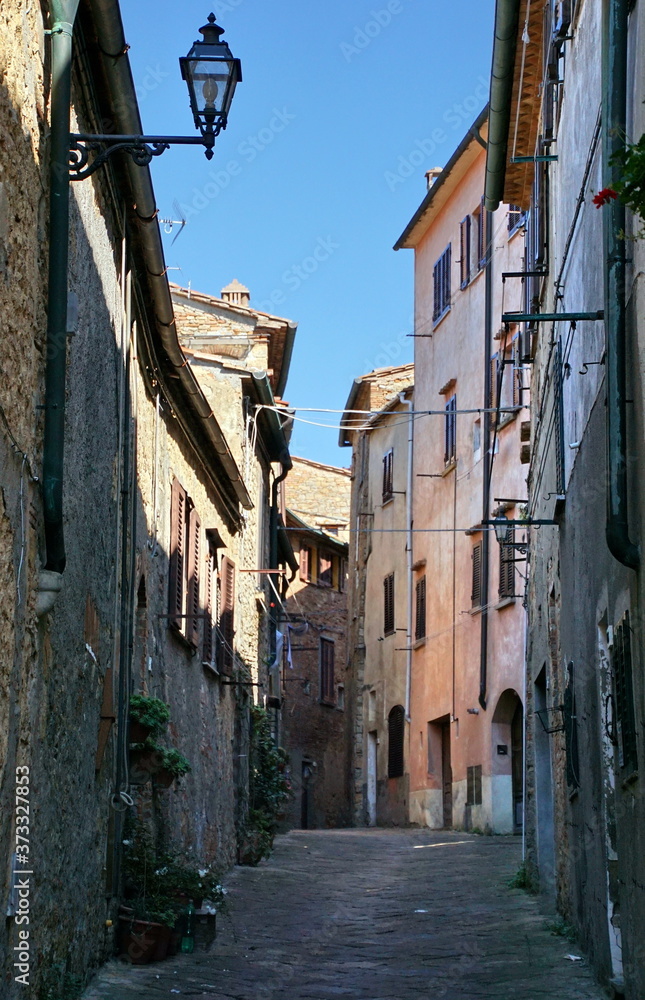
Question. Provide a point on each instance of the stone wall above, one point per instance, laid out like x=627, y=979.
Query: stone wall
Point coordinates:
x=319, y=494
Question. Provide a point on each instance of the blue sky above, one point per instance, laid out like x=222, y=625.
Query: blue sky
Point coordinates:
x=342, y=109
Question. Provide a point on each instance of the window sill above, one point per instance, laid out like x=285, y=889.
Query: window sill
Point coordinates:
x=387, y=500
x=521, y=225
x=504, y=602
x=475, y=611
x=629, y=780
x=508, y=418
x=327, y=704
x=449, y=468
x=386, y=635
x=418, y=643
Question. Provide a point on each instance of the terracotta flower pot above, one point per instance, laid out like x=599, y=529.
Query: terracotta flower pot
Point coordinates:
x=138, y=732
x=143, y=764
x=163, y=778
x=143, y=941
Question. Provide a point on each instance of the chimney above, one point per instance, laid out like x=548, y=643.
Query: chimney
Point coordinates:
x=236, y=294
x=431, y=175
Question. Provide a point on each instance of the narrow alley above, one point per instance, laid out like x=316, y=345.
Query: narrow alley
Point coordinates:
x=376, y=915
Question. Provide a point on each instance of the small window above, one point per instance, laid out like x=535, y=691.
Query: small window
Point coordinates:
x=327, y=687
x=395, y=731
x=515, y=218
x=477, y=440
x=388, y=475
x=340, y=697
x=342, y=575
x=420, y=622
x=507, y=565
x=388, y=604
x=305, y=563
x=450, y=450
x=442, y=284
x=226, y=625
x=210, y=619
x=474, y=786
x=493, y=393
x=476, y=595
x=184, y=569
x=464, y=245
x=325, y=569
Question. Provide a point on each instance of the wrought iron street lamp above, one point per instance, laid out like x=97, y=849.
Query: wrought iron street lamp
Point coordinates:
x=211, y=73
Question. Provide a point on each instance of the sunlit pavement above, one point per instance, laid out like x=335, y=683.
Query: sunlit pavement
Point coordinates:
x=375, y=915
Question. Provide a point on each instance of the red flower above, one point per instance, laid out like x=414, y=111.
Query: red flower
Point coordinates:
x=604, y=197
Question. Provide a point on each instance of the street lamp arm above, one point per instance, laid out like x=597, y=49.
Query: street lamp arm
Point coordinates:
x=141, y=148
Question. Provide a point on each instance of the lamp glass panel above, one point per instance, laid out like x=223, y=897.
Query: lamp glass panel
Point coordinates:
x=210, y=83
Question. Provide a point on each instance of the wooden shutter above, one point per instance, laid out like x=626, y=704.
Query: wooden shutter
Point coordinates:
x=558, y=393
x=208, y=647
x=420, y=623
x=177, y=569
x=388, y=475
x=388, y=604
x=227, y=616
x=517, y=372
x=481, y=235
x=474, y=785
x=621, y=660
x=395, y=730
x=464, y=243
x=193, y=608
x=476, y=595
x=507, y=565
x=493, y=397
x=305, y=563
x=451, y=430
x=436, y=282
x=447, y=269
x=327, y=685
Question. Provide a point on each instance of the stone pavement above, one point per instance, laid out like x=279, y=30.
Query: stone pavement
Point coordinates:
x=372, y=915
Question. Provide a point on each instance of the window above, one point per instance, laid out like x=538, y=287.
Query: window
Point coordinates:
x=327, y=687
x=340, y=697
x=464, y=244
x=388, y=604
x=305, y=563
x=342, y=575
x=420, y=622
x=493, y=393
x=515, y=217
x=621, y=662
x=450, y=450
x=226, y=626
x=507, y=565
x=325, y=569
x=558, y=393
x=183, y=582
x=388, y=475
x=442, y=284
x=474, y=786
x=395, y=732
x=476, y=595
x=477, y=440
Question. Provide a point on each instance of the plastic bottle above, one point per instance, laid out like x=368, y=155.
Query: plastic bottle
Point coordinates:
x=188, y=940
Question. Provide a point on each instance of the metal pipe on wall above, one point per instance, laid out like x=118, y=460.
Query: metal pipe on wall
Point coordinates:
x=488, y=460
x=614, y=118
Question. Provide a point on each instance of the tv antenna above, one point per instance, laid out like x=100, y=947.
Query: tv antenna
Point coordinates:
x=169, y=224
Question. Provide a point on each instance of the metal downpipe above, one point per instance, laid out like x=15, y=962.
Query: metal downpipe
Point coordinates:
x=614, y=120
x=63, y=14
x=488, y=467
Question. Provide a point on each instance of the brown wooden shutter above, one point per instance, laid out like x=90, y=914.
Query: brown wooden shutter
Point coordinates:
x=481, y=235
x=626, y=734
x=388, y=604
x=305, y=563
x=208, y=649
x=227, y=616
x=396, y=730
x=464, y=241
x=493, y=400
x=476, y=595
x=517, y=372
x=388, y=475
x=176, y=574
x=193, y=609
x=507, y=565
x=325, y=569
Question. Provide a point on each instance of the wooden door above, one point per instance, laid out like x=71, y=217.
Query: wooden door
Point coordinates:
x=446, y=774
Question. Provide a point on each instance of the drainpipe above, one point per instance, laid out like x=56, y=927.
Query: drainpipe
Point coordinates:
x=488, y=466
x=63, y=14
x=501, y=91
x=408, y=527
x=285, y=464
x=614, y=119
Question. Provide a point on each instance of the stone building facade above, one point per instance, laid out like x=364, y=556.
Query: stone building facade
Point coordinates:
x=317, y=710
x=87, y=611
x=471, y=398
x=379, y=570
x=574, y=95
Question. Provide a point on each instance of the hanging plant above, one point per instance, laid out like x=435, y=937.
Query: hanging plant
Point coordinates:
x=630, y=186
x=151, y=714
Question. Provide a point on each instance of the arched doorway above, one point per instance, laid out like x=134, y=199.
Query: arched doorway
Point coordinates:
x=507, y=732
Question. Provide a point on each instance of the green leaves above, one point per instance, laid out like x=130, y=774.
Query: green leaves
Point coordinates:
x=631, y=186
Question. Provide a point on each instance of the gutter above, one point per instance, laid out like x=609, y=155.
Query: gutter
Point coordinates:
x=501, y=92
x=289, y=341
x=63, y=14
x=118, y=75
x=274, y=427
x=614, y=121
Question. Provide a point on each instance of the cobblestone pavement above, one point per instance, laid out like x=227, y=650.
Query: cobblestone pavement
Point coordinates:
x=372, y=915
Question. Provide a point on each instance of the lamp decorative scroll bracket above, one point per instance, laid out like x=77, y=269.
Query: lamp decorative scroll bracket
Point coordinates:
x=142, y=149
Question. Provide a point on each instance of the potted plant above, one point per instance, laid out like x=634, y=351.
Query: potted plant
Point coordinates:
x=148, y=717
x=173, y=765
x=145, y=761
